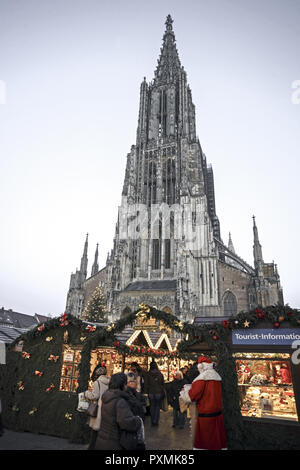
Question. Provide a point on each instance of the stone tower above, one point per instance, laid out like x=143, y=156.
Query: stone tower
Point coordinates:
x=168, y=255
x=167, y=250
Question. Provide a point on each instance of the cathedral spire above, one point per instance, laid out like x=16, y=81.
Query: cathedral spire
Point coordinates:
x=168, y=66
x=257, y=250
x=230, y=244
x=95, y=267
x=84, y=259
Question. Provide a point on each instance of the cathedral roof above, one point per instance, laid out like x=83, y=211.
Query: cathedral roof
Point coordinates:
x=169, y=284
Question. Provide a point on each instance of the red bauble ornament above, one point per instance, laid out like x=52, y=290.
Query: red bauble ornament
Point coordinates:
x=215, y=337
x=277, y=324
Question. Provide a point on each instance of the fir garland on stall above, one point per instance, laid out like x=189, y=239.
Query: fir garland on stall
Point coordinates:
x=30, y=384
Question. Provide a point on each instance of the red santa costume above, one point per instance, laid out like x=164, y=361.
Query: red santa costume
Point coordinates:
x=206, y=391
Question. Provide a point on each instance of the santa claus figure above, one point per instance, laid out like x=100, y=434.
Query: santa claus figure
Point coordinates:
x=206, y=392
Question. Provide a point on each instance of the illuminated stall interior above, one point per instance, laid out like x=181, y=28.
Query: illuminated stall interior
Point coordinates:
x=266, y=386
x=70, y=368
x=145, y=334
x=116, y=362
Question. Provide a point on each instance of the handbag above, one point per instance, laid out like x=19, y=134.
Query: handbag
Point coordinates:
x=92, y=409
x=128, y=440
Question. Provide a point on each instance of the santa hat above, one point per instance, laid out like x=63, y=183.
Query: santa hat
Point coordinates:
x=204, y=359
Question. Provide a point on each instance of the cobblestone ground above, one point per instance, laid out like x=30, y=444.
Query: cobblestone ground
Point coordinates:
x=162, y=437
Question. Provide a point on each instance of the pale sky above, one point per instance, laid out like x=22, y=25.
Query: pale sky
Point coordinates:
x=71, y=71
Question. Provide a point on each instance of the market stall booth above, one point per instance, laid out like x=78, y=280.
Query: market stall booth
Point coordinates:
x=268, y=372
x=47, y=367
x=260, y=351
x=257, y=355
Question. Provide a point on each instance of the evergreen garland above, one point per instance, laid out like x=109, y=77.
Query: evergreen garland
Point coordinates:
x=30, y=380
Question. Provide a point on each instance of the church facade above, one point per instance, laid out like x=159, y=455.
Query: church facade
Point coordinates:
x=167, y=250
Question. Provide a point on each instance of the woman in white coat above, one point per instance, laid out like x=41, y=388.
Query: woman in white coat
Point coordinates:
x=100, y=386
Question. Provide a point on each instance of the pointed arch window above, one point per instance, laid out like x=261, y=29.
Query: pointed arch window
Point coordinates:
x=229, y=304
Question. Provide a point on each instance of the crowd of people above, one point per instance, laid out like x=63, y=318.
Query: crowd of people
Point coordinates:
x=125, y=399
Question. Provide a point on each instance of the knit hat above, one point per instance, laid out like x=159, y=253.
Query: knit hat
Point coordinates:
x=100, y=371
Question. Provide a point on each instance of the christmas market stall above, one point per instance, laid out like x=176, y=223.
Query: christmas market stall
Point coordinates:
x=49, y=365
x=256, y=353
x=258, y=356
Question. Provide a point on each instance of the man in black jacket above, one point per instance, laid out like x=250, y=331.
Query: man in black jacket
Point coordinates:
x=116, y=415
x=155, y=387
x=174, y=390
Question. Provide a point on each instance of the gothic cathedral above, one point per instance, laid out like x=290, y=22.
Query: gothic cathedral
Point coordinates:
x=167, y=250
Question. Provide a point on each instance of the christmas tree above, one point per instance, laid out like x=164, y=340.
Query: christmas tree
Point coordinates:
x=95, y=309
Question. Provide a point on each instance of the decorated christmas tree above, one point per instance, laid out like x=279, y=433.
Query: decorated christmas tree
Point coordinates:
x=95, y=310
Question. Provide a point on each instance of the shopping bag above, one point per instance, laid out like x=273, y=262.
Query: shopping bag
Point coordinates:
x=82, y=403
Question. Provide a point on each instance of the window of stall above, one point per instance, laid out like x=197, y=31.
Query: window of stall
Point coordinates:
x=266, y=386
x=108, y=357
x=70, y=371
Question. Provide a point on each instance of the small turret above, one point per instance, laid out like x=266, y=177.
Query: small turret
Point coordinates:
x=95, y=267
x=257, y=250
x=84, y=259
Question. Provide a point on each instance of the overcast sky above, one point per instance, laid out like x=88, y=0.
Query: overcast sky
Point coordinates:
x=70, y=72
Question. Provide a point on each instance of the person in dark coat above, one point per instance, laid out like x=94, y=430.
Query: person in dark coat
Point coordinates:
x=192, y=373
x=116, y=415
x=137, y=401
x=155, y=387
x=174, y=390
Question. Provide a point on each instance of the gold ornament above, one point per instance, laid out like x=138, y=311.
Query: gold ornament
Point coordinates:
x=82, y=338
x=15, y=408
x=20, y=385
x=180, y=324
x=31, y=412
x=246, y=324
x=143, y=312
x=68, y=416
x=111, y=327
x=49, y=338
